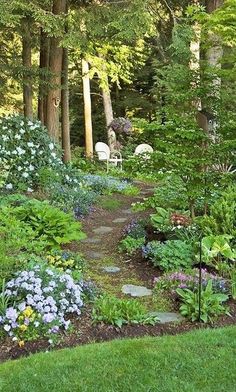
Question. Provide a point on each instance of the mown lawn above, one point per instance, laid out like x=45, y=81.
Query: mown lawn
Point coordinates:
x=199, y=361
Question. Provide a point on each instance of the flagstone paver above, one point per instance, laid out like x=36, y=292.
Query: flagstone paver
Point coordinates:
x=103, y=230
x=119, y=220
x=136, y=291
x=111, y=269
x=167, y=317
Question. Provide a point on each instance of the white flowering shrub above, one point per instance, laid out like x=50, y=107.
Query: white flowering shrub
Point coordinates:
x=26, y=148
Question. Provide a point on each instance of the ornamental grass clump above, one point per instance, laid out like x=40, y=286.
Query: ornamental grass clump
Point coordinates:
x=26, y=147
x=39, y=301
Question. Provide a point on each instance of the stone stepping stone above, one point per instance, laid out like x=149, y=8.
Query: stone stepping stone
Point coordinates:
x=95, y=255
x=119, y=220
x=136, y=291
x=111, y=269
x=167, y=317
x=92, y=240
x=128, y=211
x=103, y=230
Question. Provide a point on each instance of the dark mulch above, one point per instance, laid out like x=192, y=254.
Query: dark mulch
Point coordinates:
x=86, y=332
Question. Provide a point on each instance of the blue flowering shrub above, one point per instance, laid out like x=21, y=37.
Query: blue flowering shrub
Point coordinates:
x=37, y=302
x=104, y=184
x=25, y=148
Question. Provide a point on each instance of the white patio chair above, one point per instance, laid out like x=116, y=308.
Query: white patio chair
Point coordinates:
x=105, y=154
x=144, y=150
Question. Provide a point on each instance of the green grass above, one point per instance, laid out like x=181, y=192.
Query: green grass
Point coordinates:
x=109, y=203
x=200, y=361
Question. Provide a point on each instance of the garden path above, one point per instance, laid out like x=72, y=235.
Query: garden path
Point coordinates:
x=114, y=272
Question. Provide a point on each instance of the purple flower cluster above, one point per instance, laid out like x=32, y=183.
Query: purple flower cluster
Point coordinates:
x=121, y=125
x=183, y=280
x=50, y=294
x=135, y=229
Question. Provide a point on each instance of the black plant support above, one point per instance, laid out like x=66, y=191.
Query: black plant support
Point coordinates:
x=200, y=281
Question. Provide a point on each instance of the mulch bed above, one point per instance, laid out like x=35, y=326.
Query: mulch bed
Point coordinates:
x=86, y=332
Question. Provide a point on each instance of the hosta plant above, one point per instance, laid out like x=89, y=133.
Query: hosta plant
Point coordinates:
x=117, y=312
x=49, y=224
x=211, y=304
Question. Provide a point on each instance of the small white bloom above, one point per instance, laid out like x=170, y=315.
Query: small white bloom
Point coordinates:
x=25, y=175
x=30, y=144
x=18, y=137
x=30, y=190
x=31, y=167
x=53, y=155
x=9, y=186
x=51, y=146
x=22, y=131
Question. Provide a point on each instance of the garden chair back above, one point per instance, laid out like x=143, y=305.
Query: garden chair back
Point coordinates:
x=144, y=150
x=105, y=154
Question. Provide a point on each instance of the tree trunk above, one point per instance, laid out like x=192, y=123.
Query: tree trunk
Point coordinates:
x=43, y=65
x=65, y=119
x=195, y=59
x=107, y=104
x=55, y=67
x=87, y=110
x=215, y=51
x=27, y=64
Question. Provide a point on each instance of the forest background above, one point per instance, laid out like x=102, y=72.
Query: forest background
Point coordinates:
x=77, y=64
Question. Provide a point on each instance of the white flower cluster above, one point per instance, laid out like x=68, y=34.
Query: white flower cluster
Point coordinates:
x=26, y=146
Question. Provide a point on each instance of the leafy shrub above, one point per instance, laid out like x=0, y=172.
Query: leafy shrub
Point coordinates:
x=72, y=199
x=135, y=229
x=26, y=147
x=171, y=193
x=222, y=217
x=40, y=299
x=211, y=303
x=16, y=238
x=215, y=247
x=130, y=244
x=48, y=223
x=112, y=310
x=171, y=255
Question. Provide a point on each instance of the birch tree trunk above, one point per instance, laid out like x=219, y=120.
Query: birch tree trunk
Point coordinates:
x=87, y=110
x=27, y=64
x=215, y=50
x=107, y=104
x=195, y=59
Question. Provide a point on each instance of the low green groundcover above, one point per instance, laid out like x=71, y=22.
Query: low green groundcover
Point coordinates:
x=202, y=360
